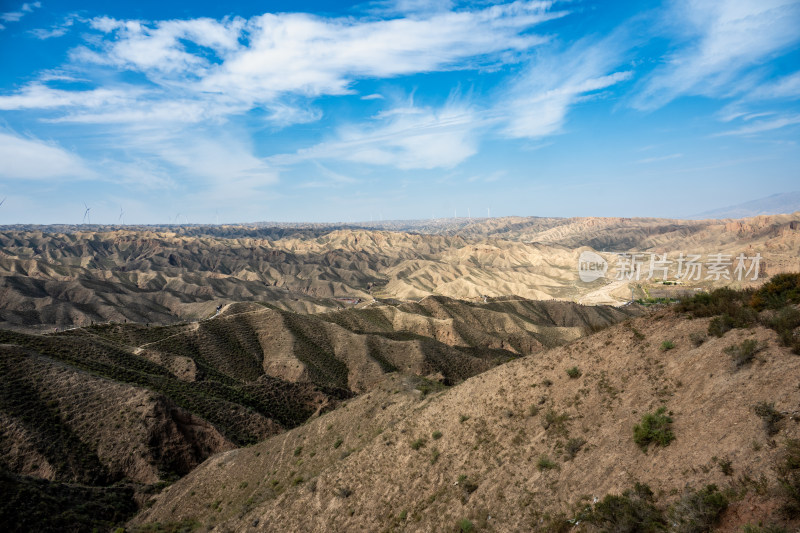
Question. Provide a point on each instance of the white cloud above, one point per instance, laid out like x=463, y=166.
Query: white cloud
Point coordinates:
x=659, y=159
x=57, y=30
x=16, y=16
x=537, y=103
x=404, y=137
x=204, y=68
x=312, y=56
x=32, y=159
x=39, y=96
x=761, y=126
x=720, y=43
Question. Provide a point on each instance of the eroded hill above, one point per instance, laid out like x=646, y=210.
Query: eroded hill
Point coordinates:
x=545, y=442
x=124, y=408
x=170, y=274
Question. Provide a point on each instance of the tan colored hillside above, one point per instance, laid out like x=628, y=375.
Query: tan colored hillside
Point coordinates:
x=62, y=279
x=511, y=448
x=123, y=409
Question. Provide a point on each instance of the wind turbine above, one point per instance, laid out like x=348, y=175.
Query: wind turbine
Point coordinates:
x=488, y=214
x=86, y=214
x=178, y=219
x=121, y=216
x=3, y=201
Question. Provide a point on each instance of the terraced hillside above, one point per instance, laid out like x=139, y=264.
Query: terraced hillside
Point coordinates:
x=119, y=410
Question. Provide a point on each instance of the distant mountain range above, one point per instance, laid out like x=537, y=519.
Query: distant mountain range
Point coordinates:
x=777, y=204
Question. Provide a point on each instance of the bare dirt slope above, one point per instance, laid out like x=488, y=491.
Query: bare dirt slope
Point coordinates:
x=65, y=277
x=510, y=449
x=127, y=408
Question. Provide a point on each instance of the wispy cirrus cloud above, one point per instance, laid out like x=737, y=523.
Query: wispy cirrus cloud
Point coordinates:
x=761, y=126
x=405, y=137
x=720, y=47
x=659, y=159
x=26, y=158
x=534, y=105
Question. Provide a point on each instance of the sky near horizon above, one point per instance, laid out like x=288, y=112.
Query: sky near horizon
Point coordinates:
x=151, y=112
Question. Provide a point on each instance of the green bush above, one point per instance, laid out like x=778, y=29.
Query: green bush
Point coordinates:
x=465, y=525
x=574, y=372
x=788, y=470
x=632, y=512
x=437, y=435
x=654, y=427
x=545, y=463
x=417, y=444
x=698, y=511
x=667, y=345
x=779, y=291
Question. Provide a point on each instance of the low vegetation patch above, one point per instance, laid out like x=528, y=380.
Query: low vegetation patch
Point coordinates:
x=574, y=372
x=545, y=463
x=788, y=470
x=744, y=353
x=419, y=443
x=654, y=428
x=633, y=511
x=698, y=511
x=772, y=305
x=667, y=345
x=770, y=417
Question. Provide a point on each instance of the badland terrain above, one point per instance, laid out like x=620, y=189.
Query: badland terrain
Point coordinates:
x=401, y=376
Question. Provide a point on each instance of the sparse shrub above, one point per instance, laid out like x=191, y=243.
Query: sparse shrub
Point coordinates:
x=343, y=492
x=298, y=451
x=698, y=511
x=533, y=410
x=574, y=372
x=297, y=480
x=338, y=442
x=769, y=416
x=435, y=455
x=547, y=382
x=573, y=446
x=417, y=444
x=465, y=526
x=697, y=338
x=403, y=515
x=545, y=463
x=554, y=422
x=437, y=435
x=788, y=470
x=632, y=512
x=726, y=466
x=785, y=322
x=654, y=427
x=744, y=353
x=667, y=345
x=463, y=418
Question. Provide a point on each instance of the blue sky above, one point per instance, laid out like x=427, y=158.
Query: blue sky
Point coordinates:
x=323, y=111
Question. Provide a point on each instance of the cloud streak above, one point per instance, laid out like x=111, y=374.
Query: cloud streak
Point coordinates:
x=719, y=47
